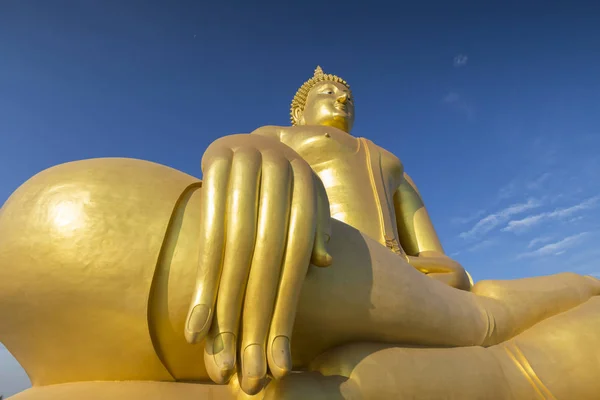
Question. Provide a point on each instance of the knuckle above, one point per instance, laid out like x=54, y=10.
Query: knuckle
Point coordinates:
x=302, y=170
x=247, y=154
x=217, y=157
x=274, y=159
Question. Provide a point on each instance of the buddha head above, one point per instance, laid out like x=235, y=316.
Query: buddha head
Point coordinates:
x=326, y=100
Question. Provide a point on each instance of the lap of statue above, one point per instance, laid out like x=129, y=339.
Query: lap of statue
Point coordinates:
x=98, y=261
x=97, y=265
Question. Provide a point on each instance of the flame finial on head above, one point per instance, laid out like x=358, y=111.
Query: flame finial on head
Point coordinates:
x=319, y=71
x=299, y=100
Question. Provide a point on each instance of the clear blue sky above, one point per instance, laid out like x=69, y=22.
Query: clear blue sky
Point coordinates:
x=495, y=111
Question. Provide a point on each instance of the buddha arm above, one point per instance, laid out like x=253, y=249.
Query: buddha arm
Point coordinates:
x=420, y=241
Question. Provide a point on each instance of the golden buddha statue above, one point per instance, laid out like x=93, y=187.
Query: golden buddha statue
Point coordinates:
x=124, y=279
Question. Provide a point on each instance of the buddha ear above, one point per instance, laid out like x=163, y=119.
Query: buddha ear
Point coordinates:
x=298, y=116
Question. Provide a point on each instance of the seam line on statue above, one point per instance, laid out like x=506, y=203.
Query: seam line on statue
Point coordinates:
x=369, y=161
x=521, y=362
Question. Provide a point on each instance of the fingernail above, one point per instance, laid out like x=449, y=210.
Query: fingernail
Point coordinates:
x=197, y=321
x=280, y=351
x=224, y=351
x=254, y=363
x=254, y=367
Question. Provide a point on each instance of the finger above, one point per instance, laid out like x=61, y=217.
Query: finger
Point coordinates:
x=220, y=350
x=263, y=280
x=320, y=256
x=212, y=236
x=301, y=234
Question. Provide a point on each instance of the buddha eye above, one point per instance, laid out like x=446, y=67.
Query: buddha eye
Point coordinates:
x=328, y=92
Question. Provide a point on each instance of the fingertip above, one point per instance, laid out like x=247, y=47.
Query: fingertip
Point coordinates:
x=197, y=323
x=252, y=386
x=254, y=369
x=224, y=351
x=280, y=358
x=322, y=259
x=191, y=337
x=218, y=376
x=328, y=260
x=219, y=357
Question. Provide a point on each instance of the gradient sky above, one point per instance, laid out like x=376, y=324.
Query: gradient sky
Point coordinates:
x=493, y=111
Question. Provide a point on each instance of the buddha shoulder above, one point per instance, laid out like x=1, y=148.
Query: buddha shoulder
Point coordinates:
x=313, y=143
x=391, y=165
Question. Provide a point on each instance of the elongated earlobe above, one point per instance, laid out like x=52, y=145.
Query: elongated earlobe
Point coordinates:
x=298, y=116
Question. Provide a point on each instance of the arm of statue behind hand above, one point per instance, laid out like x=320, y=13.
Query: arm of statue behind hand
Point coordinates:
x=420, y=241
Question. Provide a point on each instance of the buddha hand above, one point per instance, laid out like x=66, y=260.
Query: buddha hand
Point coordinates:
x=265, y=218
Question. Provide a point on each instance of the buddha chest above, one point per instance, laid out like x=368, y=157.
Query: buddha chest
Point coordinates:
x=359, y=176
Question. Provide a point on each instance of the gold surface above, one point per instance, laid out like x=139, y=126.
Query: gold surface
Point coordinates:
x=124, y=270
x=147, y=390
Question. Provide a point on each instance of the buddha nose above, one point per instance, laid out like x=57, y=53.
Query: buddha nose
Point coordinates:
x=343, y=98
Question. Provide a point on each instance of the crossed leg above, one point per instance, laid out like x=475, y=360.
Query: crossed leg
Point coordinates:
x=556, y=358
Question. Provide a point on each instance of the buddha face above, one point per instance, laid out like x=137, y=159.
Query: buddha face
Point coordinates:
x=329, y=104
